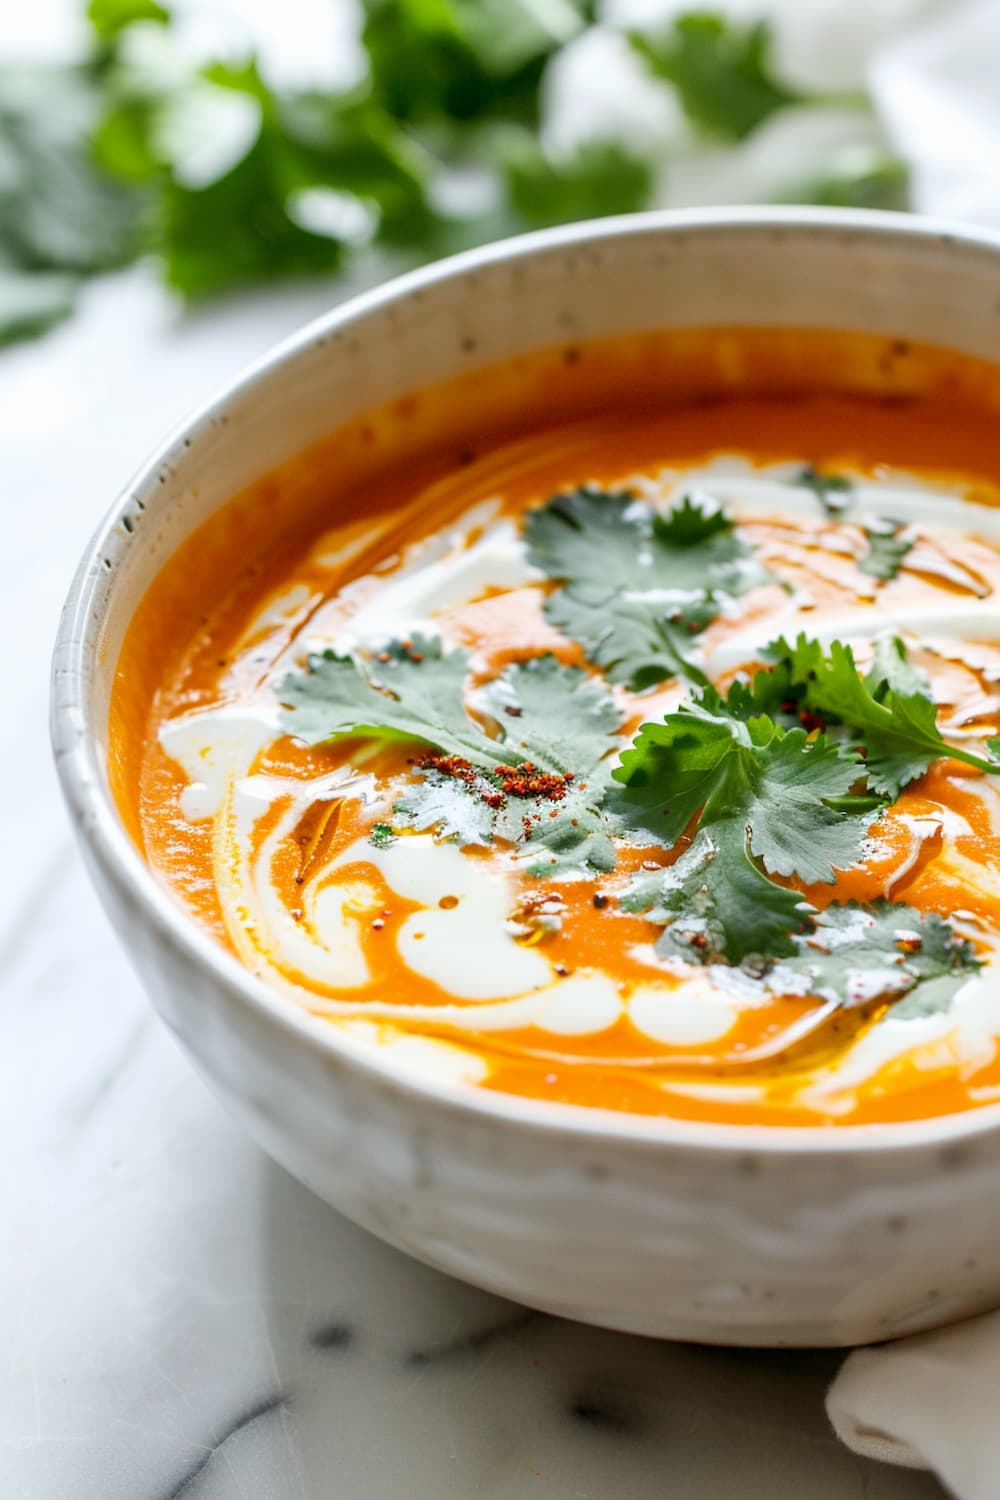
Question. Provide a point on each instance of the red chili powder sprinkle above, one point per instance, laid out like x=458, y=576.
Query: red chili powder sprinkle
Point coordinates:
x=449, y=765
x=525, y=781
x=515, y=781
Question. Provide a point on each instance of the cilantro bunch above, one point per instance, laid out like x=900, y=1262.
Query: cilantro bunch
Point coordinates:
x=94, y=171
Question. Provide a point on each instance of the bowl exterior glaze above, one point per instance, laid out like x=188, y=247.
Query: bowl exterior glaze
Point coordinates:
x=713, y=1233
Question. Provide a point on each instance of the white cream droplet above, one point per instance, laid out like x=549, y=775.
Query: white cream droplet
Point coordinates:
x=464, y=948
x=578, y=1005
x=684, y=1017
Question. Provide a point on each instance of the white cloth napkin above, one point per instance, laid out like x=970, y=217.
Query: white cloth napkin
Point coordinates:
x=928, y=1402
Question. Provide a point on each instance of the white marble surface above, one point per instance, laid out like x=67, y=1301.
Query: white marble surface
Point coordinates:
x=177, y=1316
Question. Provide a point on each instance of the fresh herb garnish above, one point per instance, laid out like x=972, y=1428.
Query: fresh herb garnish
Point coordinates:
x=857, y=954
x=412, y=691
x=895, y=726
x=636, y=585
x=760, y=799
x=765, y=801
x=715, y=903
x=833, y=491
x=717, y=909
x=791, y=791
x=892, y=668
x=886, y=551
x=540, y=780
x=781, y=777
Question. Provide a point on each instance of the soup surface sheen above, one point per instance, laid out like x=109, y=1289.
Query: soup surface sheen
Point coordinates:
x=395, y=759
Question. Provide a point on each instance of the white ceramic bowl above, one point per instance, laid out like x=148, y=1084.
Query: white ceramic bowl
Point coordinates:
x=718, y=1233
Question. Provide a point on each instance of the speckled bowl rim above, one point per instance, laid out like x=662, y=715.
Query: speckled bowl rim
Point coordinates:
x=89, y=797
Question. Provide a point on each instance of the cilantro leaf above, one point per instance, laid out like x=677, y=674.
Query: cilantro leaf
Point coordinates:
x=449, y=807
x=541, y=782
x=775, y=690
x=761, y=800
x=556, y=717
x=790, y=791
x=692, y=522
x=857, y=177
x=249, y=222
x=412, y=691
x=571, y=837
x=892, y=668
x=802, y=817
x=556, y=720
x=61, y=217
x=898, y=729
x=599, y=178
x=110, y=17
x=722, y=72
x=449, y=60
x=886, y=552
x=857, y=954
x=636, y=585
x=714, y=902
x=769, y=691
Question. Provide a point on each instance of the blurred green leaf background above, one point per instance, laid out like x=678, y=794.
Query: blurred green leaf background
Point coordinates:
x=140, y=149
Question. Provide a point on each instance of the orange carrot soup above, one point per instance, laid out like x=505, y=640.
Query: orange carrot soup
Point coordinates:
x=628, y=738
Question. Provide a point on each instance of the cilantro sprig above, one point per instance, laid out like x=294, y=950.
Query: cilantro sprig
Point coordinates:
x=885, y=551
x=764, y=801
x=554, y=717
x=715, y=903
x=886, y=951
x=636, y=585
x=764, y=795
x=894, y=724
x=715, y=907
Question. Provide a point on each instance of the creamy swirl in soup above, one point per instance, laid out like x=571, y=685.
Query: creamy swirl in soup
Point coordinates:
x=645, y=759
